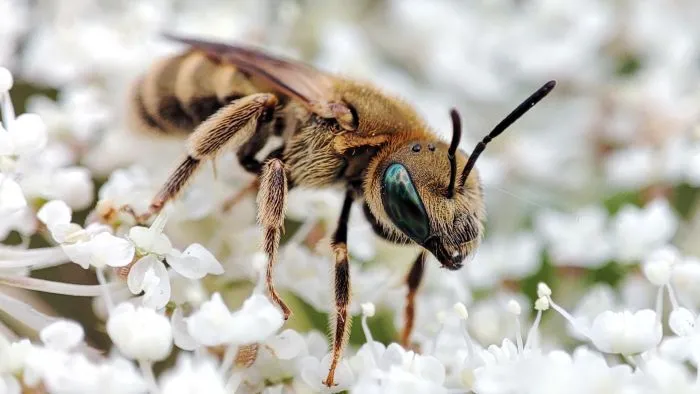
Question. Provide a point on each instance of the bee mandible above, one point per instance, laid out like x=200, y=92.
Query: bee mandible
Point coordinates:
x=414, y=188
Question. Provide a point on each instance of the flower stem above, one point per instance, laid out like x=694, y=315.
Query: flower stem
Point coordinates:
x=569, y=318
x=104, y=289
x=369, y=339
x=518, y=335
x=7, y=333
x=659, y=304
x=8, y=111
x=227, y=361
x=24, y=313
x=147, y=372
x=533, y=329
x=48, y=286
x=672, y=297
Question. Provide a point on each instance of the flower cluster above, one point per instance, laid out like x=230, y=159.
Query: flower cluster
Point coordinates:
x=595, y=193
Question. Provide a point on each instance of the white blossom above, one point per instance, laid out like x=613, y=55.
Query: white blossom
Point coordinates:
x=140, y=333
x=639, y=231
x=62, y=335
x=626, y=332
x=193, y=375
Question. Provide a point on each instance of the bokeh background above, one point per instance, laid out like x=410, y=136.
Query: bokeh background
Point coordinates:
x=600, y=174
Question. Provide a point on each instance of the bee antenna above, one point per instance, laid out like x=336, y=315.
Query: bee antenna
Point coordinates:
x=456, y=137
x=519, y=111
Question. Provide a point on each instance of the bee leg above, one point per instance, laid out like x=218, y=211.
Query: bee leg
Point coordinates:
x=272, y=204
x=341, y=321
x=413, y=280
x=230, y=127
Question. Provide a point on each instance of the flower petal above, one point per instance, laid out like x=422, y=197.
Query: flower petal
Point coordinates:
x=205, y=257
x=11, y=196
x=149, y=240
x=181, y=336
x=187, y=266
x=28, y=133
x=137, y=272
x=287, y=344
x=211, y=324
x=79, y=253
x=54, y=212
x=112, y=251
x=156, y=286
x=195, y=262
x=62, y=335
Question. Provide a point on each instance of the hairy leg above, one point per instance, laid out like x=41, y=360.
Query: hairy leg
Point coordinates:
x=228, y=128
x=272, y=205
x=413, y=280
x=341, y=320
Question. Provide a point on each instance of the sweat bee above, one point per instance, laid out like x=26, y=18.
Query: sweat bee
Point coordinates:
x=415, y=188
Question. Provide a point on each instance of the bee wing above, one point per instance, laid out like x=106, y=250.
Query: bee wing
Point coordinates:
x=312, y=87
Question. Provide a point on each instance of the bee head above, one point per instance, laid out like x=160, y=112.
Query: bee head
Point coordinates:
x=410, y=199
x=415, y=192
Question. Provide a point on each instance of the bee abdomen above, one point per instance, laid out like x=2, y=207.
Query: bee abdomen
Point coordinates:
x=180, y=92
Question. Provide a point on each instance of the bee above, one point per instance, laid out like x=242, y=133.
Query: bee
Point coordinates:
x=414, y=188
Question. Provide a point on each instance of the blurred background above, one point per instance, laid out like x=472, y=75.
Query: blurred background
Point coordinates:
x=600, y=174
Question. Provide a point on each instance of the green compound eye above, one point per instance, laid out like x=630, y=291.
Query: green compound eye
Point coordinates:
x=403, y=204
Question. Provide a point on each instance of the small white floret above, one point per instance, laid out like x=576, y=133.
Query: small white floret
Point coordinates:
x=62, y=335
x=514, y=307
x=626, y=332
x=368, y=309
x=6, y=80
x=657, y=267
x=461, y=310
x=140, y=333
x=542, y=304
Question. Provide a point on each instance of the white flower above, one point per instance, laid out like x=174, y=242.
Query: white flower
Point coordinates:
x=681, y=322
x=212, y=324
x=181, y=337
x=579, y=239
x=259, y=313
x=631, y=168
x=70, y=184
x=62, y=335
x=287, y=345
x=314, y=371
x=130, y=186
x=93, y=245
x=501, y=257
x=639, y=231
x=626, y=333
x=192, y=376
x=13, y=356
x=104, y=249
x=685, y=277
x=5, y=80
x=55, y=213
x=119, y=376
x=149, y=275
x=11, y=196
x=598, y=299
x=657, y=267
x=26, y=135
x=140, y=333
x=150, y=240
x=195, y=262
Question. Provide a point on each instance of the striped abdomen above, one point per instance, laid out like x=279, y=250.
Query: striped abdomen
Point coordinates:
x=180, y=92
